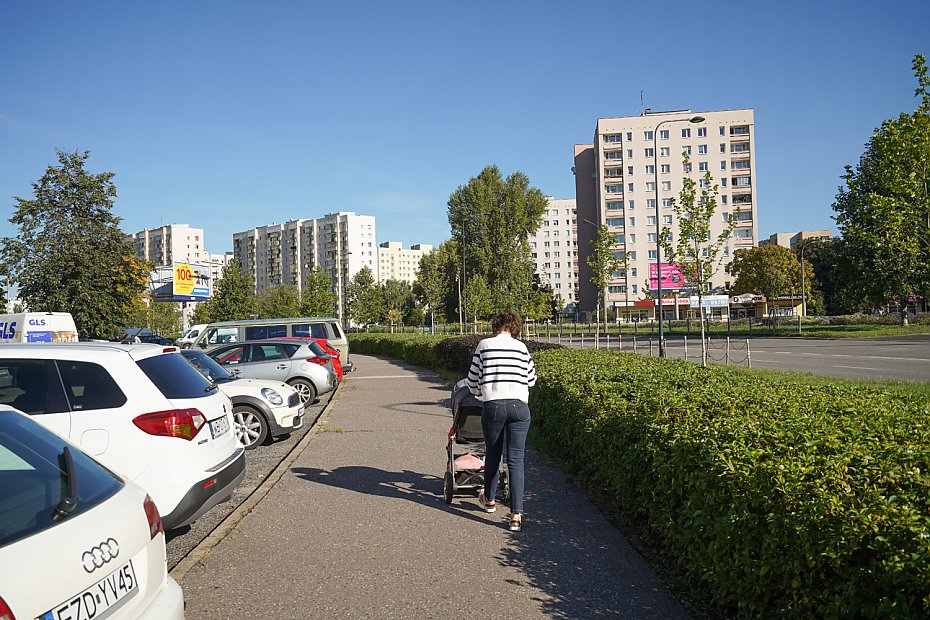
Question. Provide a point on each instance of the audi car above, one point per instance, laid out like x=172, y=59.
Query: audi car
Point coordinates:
x=76, y=540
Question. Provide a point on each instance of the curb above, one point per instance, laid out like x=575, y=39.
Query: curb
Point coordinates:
x=242, y=510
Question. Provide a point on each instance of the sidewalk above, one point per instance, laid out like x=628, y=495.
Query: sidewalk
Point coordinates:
x=357, y=528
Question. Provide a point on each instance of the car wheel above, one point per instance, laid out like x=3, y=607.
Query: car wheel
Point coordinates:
x=251, y=426
x=305, y=390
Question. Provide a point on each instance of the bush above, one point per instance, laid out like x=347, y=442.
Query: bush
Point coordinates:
x=787, y=497
x=456, y=353
x=419, y=349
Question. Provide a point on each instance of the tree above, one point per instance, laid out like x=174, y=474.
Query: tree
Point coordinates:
x=397, y=299
x=698, y=254
x=884, y=210
x=770, y=270
x=435, y=280
x=203, y=313
x=162, y=317
x=364, y=298
x=234, y=295
x=318, y=298
x=479, y=301
x=70, y=254
x=492, y=217
x=605, y=264
x=832, y=273
x=279, y=302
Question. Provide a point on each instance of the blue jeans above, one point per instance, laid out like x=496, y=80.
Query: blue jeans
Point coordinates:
x=500, y=419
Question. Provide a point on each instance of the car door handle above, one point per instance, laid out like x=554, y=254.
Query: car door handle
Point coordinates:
x=281, y=366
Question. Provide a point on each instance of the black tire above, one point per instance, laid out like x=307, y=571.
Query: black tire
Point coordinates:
x=447, y=484
x=505, y=486
x=305, y=389
x=251, y=426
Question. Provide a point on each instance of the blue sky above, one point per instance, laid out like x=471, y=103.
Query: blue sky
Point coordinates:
x=229, y=115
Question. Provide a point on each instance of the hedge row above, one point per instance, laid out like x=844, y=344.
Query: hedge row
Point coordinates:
x=419, y=349
x=788, y=498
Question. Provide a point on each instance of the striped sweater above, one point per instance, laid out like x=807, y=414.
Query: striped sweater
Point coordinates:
x=501, y=369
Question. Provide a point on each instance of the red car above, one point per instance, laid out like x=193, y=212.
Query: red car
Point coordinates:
x=324, y=344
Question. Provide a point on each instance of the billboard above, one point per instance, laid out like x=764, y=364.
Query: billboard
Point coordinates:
x=672, y=278
x=181, y=282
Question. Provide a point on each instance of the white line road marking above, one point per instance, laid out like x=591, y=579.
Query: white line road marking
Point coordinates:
x=860, y=368
x=410, y=376
x=871, y=357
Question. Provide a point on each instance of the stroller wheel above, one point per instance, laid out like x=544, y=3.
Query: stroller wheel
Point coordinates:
x=505, y=486
x=447, y=484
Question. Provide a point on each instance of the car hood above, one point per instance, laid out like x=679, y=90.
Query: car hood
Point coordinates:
x=253, y=387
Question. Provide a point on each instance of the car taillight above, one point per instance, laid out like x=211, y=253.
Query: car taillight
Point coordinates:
x=5, y=612
x=317, y=360
x=183, y=423
x=154, y=519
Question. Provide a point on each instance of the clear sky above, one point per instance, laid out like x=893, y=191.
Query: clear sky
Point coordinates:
x=229, y=115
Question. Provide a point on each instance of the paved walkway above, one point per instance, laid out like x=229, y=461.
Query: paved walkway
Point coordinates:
x=357, y=528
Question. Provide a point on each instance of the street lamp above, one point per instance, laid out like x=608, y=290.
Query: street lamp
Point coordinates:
x=803, y=297
x=655, y=171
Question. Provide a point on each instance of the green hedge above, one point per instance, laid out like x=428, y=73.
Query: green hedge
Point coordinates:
x=788, y=498
x=419, y=349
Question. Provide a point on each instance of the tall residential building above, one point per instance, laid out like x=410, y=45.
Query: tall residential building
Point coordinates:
x=615, y=185
x=789, y=239
x=555, y=250
x=341, y=244
x=396, y=263
x=166, y=245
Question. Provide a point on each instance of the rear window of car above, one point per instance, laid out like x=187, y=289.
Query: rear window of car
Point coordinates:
x=313, y=330
x=174, y=376
x=261, y=332
x=317, y=349
x=33, y=477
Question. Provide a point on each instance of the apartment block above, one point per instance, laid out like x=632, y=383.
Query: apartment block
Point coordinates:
x=166, y=245
x=341, y=244
x=555, y=250
x=627, y=178
x=789, y=239
x=396, y=263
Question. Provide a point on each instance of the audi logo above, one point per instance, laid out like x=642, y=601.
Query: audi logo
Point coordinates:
x=99, y=555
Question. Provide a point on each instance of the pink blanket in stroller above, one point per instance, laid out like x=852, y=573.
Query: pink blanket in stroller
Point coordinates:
x=469, y=461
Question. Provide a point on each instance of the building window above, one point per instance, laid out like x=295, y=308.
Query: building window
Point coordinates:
x=613, y=155
x=666, y=202
x=652, y=254
x=647, y=135
x=667, y=219
x=614, y=189
x=702, y=132
x=631, y=205
x=686, y=133
x=702, y=149
x=650, y=152
x=633, y=238
x=723, y=182
x=723, y=165
x=741, y=181
x=619, y=239
x=632, y=221
x=723, y=131
x=651, y=204
x=667, y=186
x=702, y=166
x=664, y=134
x=615, y=221
x=629, y=186
x=611, y=172
x=629, y=169
x=702, y=183
x=723, y=199
x=650, y=186
x=651, y=220
x=664, y=151
x=650, y=169
x=740, y=165
x=612, y=137
x=629, y=153
x=629, y=136
x=666, y=168
x=614, y=205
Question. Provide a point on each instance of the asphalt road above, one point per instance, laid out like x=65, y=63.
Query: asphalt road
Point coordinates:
x=258, y=464
x=901, y=358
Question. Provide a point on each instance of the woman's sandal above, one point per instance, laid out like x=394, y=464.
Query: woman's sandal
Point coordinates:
x=490, y=506
x=516, y=523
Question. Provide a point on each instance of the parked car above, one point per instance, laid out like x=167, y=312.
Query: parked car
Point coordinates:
x=141, y=410
x=144, y=335
x=186, y=339
x=228, y=332
x=325, y=349
x=261, y=408
x=294, y=363
x=76, y=540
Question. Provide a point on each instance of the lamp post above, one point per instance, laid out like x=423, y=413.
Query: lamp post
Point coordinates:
x=655, y=172
x=803, y=297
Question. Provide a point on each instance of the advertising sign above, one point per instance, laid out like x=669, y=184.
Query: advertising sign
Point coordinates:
x=711, y=301
x=181, y=282
x=672, y=278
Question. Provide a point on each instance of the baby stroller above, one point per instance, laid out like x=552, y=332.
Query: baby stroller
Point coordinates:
x=465, y=471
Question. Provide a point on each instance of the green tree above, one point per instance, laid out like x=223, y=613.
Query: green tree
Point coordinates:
x=435, y=283
x=70, y=254
x=479, y=300
x=606, y=264
x=770, y=270
x=162, y=317
x=364, y=298
x=397, y=299
x=832, y=273
x=234, y=295
x=279, y=302
x=883, y=211
x=698, y=253
x=203, y=313
x=318, y=297
x=492, y=217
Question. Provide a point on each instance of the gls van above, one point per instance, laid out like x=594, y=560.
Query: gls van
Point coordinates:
x=226, y=332
x=38, y=327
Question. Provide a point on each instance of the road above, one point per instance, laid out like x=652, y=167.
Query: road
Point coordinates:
x=901, y=358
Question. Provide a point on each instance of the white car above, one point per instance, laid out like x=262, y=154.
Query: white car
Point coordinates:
x=139, y=409
x=76, y=541
x=261, y=408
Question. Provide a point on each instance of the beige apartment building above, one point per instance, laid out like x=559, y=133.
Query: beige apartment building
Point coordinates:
x=396, y=263
x=166, y=245
x=285, y=254
x=615, y=185
x=789, y=239
x=555, y=251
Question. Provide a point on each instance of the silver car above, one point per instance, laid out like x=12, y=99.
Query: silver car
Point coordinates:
x=307, y=369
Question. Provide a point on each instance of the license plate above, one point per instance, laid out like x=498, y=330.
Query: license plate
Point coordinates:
x=219, y=426
x=99, y=600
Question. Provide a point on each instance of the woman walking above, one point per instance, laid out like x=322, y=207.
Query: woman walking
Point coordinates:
x=501, y=374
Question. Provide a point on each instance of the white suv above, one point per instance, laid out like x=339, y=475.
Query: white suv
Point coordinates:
x=140, y=410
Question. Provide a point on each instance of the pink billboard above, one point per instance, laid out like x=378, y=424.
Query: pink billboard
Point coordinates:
x=672, y=278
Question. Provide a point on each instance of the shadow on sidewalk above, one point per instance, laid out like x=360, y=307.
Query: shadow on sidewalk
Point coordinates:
x=422, y=489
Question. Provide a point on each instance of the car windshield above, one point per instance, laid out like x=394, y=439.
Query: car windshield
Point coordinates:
x=207, y=366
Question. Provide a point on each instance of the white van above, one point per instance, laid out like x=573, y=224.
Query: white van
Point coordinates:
x=38, y=327
x=226, y=332
x=186, y=339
